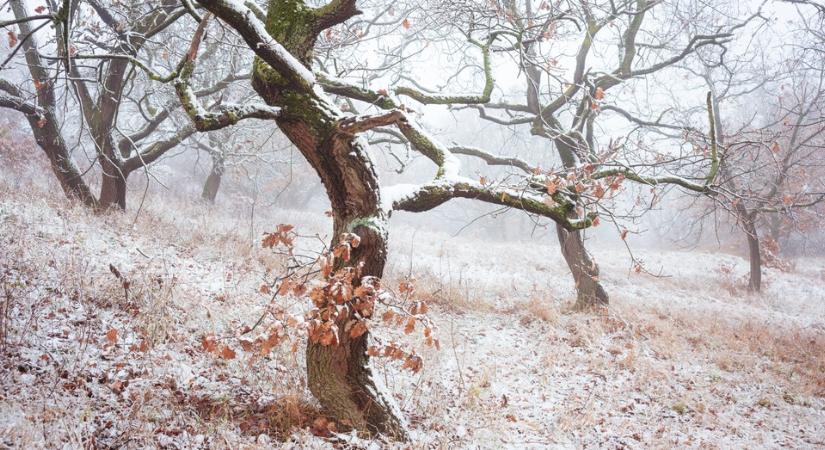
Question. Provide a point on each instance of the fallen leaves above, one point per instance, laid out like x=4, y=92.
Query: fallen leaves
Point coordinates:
x=111, y=336
x=209, y=344
x=227, y=353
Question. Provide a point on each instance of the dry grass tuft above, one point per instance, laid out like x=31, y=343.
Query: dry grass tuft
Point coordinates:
x=278, y=418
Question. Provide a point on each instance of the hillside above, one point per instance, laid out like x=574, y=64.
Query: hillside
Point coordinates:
x=682, y=360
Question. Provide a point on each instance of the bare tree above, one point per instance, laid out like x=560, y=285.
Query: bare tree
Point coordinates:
x=771, y=172
x=87, y=65
x=642, y=46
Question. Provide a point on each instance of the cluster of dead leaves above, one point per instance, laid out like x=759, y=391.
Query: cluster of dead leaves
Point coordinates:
x=343, y=302
x=770, y=254
x=580, y=183
x=210, y=344
x=283, y=235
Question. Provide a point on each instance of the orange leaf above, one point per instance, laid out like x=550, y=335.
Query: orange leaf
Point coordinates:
x=599, y=94
x=285, y=286
x=552, y=186
x=111, y=336
x=624, y=234
x=12, y=39
x=326, y=266
x=406, y=24
x=208, y=344
x=227, y=353
x=410, y=325
x=358, y=329
x=342, y=251
x=598, y=191
x=246, y=345
x=413, y=363
x=406, y=287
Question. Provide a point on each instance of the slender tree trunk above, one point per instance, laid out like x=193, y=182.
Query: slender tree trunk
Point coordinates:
x=589, y=291
x=755, y=279
x=46, y=129
x=112, y=187
x=585, y=271
x=213, y=181
x=48, y=137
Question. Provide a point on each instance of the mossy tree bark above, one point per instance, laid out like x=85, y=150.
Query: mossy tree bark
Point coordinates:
x=340, y=377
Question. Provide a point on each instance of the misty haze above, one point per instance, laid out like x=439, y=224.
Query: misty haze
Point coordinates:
x=522, y=224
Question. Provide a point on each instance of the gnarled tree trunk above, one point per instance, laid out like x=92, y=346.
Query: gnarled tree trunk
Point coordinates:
x=755, y=259
x=585, y=271
x=48, y=137
x=340, y=377
x=589, y=292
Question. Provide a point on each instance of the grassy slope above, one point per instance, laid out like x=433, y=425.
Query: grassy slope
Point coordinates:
x=678, y=361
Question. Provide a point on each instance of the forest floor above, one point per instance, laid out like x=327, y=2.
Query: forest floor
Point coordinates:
x=683, y=360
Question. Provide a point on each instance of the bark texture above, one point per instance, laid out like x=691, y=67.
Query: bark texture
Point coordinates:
x=43, y=122
x=340, y=377
x=589, y=292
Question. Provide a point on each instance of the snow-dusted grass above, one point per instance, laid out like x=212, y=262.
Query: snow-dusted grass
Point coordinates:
x=677, y=361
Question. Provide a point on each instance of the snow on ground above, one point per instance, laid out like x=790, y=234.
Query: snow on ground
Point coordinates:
x=686, y=360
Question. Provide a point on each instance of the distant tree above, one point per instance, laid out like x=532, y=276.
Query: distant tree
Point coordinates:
x=80, y=86
x=622, y=51
x=772, y=174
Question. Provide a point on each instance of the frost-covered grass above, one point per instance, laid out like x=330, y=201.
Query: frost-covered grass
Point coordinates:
x=687, y=360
